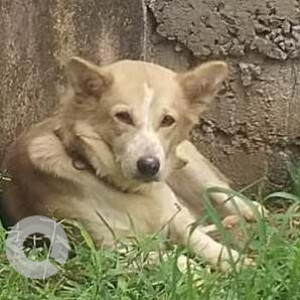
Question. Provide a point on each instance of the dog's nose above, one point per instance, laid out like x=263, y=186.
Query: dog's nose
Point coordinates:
x=148, y=166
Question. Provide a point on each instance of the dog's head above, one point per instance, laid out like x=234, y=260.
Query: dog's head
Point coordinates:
x=139, y=112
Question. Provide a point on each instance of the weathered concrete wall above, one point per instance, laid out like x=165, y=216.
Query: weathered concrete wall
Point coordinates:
x=253, y=128
x=38, y=36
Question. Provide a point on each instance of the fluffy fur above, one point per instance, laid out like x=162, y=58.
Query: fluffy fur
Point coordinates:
x=83, y=162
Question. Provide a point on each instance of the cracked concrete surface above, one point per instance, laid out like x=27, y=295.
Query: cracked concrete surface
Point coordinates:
x=253, y=127
x=222, y=28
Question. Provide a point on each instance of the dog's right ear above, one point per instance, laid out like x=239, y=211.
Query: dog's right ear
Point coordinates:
x=86, y=78
x=201, y=85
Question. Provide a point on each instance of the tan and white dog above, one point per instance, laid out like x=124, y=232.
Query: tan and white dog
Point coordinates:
x=115, y=156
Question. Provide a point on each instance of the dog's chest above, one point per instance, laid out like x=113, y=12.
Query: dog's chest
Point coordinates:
x=129, y=214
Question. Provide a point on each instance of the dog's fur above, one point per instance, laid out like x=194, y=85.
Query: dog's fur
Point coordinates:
x=82, y=162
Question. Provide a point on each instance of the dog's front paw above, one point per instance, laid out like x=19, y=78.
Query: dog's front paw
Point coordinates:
x=254, y=211
x=250, y=210
x=228, y=261
x=230, y=222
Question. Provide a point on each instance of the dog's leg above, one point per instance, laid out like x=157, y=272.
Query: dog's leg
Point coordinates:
x=198, y=174
x=184, y=262
x=201, y=243
x=229, y=222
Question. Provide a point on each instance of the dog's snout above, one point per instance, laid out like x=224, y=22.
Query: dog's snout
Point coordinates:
x=148, y=166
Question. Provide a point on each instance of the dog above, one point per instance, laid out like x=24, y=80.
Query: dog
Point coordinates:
x=115, y=155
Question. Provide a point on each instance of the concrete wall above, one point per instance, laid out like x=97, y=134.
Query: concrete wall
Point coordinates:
x=253, y=128
x=37, y=37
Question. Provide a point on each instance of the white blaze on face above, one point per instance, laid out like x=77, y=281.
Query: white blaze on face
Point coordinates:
x=146, y=141
x=146, y=104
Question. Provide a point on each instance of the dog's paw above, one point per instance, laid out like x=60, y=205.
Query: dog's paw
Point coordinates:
x=250, y=210
x=233, y=260
x=254, y=210
x=230, y=221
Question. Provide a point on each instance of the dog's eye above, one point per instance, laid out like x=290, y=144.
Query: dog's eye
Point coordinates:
x=124, y=117
x=167, y=121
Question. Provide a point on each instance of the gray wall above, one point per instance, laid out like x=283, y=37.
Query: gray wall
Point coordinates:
x=253, y=128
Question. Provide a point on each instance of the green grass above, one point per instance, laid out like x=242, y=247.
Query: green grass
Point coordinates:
x=97, y=274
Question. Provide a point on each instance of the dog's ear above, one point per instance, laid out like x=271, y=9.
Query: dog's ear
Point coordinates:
x=202, y=84
x=86, y=78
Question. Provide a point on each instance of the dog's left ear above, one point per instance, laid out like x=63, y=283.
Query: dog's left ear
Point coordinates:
x=87, y=79
x=202, y=84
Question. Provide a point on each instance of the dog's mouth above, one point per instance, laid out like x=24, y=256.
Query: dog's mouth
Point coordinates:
x=145, y=179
